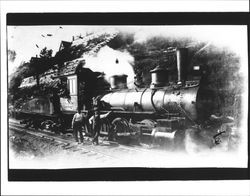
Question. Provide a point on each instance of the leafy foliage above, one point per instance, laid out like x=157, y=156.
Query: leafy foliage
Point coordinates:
x=16, y=78
x=221, y=65
x=34, y=67
x=11, y=55
x=121, y=41
x=46, y=89
x=45, y=53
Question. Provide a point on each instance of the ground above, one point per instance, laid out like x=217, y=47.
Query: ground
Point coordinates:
x=23, y=144
x=27, y=151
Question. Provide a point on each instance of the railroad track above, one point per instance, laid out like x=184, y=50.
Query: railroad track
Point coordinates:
x=65, y=144
x=106, y=150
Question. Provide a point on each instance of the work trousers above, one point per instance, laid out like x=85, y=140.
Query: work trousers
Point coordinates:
x=97, y=128
x=77, y=128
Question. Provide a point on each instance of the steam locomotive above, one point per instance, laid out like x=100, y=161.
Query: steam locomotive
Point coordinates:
x=162, y=111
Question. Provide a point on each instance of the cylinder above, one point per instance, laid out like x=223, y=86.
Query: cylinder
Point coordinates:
x=181, y=58
x=118, y=81
x=158, y=134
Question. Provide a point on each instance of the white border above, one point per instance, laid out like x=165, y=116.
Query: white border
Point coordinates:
x=128, y=6
x=110, y=188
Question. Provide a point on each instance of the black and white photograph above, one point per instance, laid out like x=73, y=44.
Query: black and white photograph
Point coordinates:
x=137, y=100
x=127, y=96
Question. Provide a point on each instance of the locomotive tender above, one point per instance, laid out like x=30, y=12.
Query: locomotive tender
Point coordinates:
x=164, y=110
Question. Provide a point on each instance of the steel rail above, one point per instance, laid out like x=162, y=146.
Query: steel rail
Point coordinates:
x=66, y=143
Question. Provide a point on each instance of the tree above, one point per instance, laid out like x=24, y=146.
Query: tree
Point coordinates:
x=45, y=53
x=11, y=55
x=42, y=64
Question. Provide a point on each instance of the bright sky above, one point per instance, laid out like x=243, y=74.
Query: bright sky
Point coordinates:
x=23, y=39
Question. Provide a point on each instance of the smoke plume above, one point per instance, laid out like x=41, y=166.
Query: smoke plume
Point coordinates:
x=112, y=62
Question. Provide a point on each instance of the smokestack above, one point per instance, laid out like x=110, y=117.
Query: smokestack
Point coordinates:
x=181, y=58
x=118, y=81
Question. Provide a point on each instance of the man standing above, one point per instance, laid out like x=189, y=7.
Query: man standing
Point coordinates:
x=96, y=125
x=77, y=123
x=95, y=120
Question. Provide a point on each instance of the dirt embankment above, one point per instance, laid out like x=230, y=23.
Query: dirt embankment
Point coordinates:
x=23, y=144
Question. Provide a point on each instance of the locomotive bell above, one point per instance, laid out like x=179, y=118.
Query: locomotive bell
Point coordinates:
x=118, y=81
x=159, y=77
